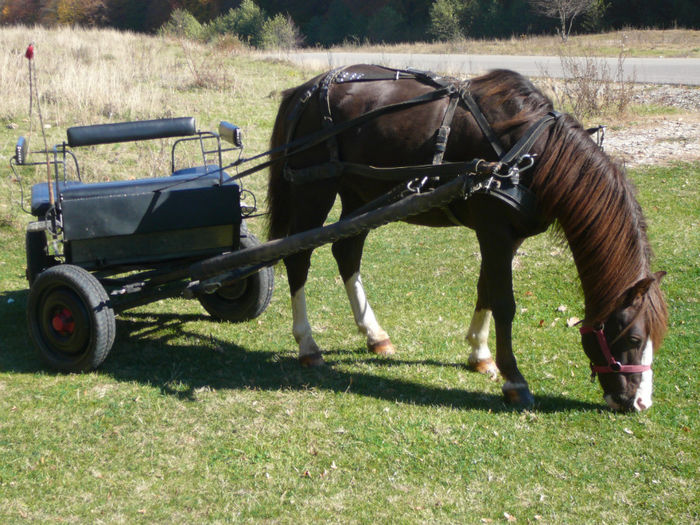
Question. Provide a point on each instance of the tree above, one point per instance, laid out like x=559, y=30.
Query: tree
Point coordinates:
x=386, y=25
x=81, y=12
x=280, y=32
x=565, y=10
x=445, y=20
x=245, y=21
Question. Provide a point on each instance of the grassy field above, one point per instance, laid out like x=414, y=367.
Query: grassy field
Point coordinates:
x=191, y=421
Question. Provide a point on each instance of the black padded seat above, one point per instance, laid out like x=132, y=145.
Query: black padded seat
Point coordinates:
x=131, y=131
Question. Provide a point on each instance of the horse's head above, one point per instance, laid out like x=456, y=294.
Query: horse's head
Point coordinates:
x=621, y=348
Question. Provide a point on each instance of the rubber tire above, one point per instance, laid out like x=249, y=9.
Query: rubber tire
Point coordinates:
x=87, y=342
x=244, y=300
x=37, y=258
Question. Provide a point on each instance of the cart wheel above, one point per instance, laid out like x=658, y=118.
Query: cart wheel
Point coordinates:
x=70, y=319
x=244, y=300
x=37, y=255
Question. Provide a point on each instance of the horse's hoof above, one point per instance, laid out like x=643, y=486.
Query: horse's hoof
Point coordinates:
x=485, y=366
x=518, y=396
x=312, y=360
x=382, y=348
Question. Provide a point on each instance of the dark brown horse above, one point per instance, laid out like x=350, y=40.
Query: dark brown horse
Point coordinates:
x=575, y=183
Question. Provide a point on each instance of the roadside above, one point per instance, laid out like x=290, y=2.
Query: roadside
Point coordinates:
x=659, y=139
x=656, y=43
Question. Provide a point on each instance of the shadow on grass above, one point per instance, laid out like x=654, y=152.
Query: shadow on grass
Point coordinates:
x=180, y=369
x=149, y=349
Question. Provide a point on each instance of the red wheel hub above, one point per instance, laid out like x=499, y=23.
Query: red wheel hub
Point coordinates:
x=63, y=322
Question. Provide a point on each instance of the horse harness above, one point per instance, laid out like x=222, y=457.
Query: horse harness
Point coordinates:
x=503, y=184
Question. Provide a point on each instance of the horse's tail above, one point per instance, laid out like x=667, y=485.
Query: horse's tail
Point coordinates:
x=278, y=202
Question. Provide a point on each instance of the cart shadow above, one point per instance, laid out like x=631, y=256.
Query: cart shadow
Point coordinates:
x=148, y=353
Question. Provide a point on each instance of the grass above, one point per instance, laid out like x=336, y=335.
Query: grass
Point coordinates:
x=190, y=420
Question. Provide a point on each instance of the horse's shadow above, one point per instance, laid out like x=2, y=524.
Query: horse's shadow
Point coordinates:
x=158, y=350
x=181, y=369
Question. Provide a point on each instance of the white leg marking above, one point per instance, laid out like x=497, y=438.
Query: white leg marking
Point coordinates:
x=478, y=335
x=364, y=316
x=300, y=325
x=642, y=399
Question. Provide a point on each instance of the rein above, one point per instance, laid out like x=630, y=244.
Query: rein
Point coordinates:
x=613, y=365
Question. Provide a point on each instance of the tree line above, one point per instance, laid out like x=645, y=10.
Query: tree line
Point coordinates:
x=323, y=22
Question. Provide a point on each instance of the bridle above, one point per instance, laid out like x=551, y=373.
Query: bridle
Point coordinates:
x=613, y=365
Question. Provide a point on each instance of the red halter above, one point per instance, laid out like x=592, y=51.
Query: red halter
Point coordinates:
x=613, y=366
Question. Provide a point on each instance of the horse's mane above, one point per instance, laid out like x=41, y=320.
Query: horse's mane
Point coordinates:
x=594, y=205
x=587, y=195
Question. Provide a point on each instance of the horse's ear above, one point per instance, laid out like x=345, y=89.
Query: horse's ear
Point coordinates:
x=640, y=288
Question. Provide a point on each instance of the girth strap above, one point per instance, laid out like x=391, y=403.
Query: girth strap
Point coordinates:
x=325, y=109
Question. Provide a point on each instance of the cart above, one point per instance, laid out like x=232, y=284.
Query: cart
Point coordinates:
x=96, y=249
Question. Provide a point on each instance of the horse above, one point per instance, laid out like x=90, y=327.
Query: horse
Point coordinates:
x=576, y=186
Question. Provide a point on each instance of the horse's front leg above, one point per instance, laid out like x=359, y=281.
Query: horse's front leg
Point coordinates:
x=496, y=284
x=348, y=255
x=480, y=359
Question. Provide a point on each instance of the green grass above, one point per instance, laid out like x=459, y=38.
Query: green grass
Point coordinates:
x=190, y=420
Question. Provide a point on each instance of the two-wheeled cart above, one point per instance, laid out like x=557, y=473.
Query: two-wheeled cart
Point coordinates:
x=96, y=249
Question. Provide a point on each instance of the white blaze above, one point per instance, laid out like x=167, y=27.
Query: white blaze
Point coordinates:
x=642, y=399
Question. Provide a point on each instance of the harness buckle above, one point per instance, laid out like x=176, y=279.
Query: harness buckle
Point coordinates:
x=486, y=185
x=416, y=185
x=513, y=171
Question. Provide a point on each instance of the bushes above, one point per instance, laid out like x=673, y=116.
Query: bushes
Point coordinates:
x=445, y=20
x=247, y=23
x=182, y=24
x=280, y=33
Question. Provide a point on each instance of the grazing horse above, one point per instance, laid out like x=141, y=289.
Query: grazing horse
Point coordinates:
x=574, y=183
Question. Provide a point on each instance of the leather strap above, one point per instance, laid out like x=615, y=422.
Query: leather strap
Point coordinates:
x=444, y=131
x=526, y=142
x=485, y=127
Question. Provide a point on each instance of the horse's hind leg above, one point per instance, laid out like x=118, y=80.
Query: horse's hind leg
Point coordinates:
x=311, y=210
x=348, y=256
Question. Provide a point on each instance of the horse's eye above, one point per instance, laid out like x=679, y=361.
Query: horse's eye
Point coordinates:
x=636, y=341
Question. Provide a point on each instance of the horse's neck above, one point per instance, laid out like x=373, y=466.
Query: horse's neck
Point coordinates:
x=594, y=204
x=610, y=257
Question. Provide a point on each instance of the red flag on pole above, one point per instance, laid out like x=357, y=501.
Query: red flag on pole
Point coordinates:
x=30, y=52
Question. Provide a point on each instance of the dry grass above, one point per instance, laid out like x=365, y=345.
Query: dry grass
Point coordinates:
x=634, y=42
x=88, y=76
